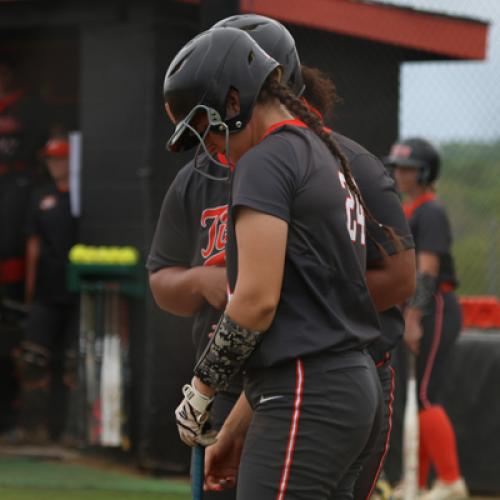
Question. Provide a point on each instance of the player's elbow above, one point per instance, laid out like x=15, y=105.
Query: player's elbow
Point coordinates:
x=166, y=298
x=258, y=308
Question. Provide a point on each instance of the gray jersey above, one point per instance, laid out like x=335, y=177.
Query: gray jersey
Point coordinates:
x=324, y=304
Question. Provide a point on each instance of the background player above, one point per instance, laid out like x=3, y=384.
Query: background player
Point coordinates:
x=23, y=131
x=433, y=315
x=48, y=358
x=305, y=260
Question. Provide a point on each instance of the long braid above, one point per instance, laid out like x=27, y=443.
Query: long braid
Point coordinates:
x=273, y=88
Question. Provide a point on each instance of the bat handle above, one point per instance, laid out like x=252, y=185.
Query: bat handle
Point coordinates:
x=197, y=472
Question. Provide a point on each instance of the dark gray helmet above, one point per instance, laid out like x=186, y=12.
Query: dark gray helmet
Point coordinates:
x=416, y=153
x=201, y=76
x=275, y=39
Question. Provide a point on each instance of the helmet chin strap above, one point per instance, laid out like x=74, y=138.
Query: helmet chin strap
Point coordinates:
x=213, y=159
x=214, y=120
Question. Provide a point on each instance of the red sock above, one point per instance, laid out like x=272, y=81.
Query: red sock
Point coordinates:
x=438, y=438
x=423, y=459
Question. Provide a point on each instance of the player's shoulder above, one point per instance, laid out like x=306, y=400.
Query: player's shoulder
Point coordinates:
x=279, y=145
x=431, y=206
x=188, y=178
x=430, y=210
x=352, y=149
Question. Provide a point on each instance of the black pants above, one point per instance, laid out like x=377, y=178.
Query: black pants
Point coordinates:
x=53, y=326
x=374, y=463
x=441, y=326
x=313, y=423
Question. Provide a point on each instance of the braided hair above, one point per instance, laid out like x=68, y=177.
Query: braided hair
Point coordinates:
x=272, y=88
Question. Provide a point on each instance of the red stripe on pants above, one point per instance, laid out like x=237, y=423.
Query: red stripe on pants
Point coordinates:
x=290, y=448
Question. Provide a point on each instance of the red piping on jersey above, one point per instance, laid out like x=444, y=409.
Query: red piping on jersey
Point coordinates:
x=410, y=207
x=438, y=327
x=10, y=100
x=290, y=448
x=388, y=437
x=275, y=126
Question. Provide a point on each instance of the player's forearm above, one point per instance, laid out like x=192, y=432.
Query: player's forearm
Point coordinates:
x=393, y=281
x=239, y=419
x=32, y=255
x=176, y=290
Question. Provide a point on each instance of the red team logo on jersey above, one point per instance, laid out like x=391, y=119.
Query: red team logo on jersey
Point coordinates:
x=216, y=221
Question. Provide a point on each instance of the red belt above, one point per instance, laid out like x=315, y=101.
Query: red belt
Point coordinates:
x=12, y=270
x=446, y=287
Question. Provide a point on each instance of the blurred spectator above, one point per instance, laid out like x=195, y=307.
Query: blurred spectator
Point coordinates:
x=22, y=133
x=47, y=360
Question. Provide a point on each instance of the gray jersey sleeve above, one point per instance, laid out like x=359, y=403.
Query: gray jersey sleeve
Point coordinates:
x=266, y=178
x=433, y=232
x=171, y=244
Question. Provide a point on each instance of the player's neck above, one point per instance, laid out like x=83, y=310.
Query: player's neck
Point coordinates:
x=267, y=115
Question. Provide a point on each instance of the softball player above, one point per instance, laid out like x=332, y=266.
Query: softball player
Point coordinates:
x=48, y=351
x=187, y=256
x=390, y=270
x=295, y=270
x=433, y=315
x=23, y=131
x=387, y=274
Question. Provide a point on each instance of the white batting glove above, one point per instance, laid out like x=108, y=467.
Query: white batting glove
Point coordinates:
x=191, y=415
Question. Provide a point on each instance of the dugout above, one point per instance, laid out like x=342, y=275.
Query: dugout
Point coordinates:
x=108, y=60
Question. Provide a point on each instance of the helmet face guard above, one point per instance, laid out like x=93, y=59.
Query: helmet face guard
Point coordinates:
x=191, y=137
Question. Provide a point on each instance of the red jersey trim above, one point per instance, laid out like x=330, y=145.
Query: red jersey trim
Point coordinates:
x=10, y=100
x=409, y=208
x=275, y=126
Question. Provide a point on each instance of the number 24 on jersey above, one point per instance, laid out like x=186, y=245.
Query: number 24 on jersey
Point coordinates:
x=354, y=213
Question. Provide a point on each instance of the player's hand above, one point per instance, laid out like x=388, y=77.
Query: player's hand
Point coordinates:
x=222, y=461
x=213, y=286
x=413, y=330
x=191, y=415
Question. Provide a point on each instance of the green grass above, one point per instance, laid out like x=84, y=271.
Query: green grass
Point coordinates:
x=53, y=494
x=32, y=479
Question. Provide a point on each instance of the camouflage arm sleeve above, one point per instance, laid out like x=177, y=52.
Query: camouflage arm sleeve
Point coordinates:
x=229, y=348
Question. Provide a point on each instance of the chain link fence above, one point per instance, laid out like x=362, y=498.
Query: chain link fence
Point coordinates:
x=456, y=104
